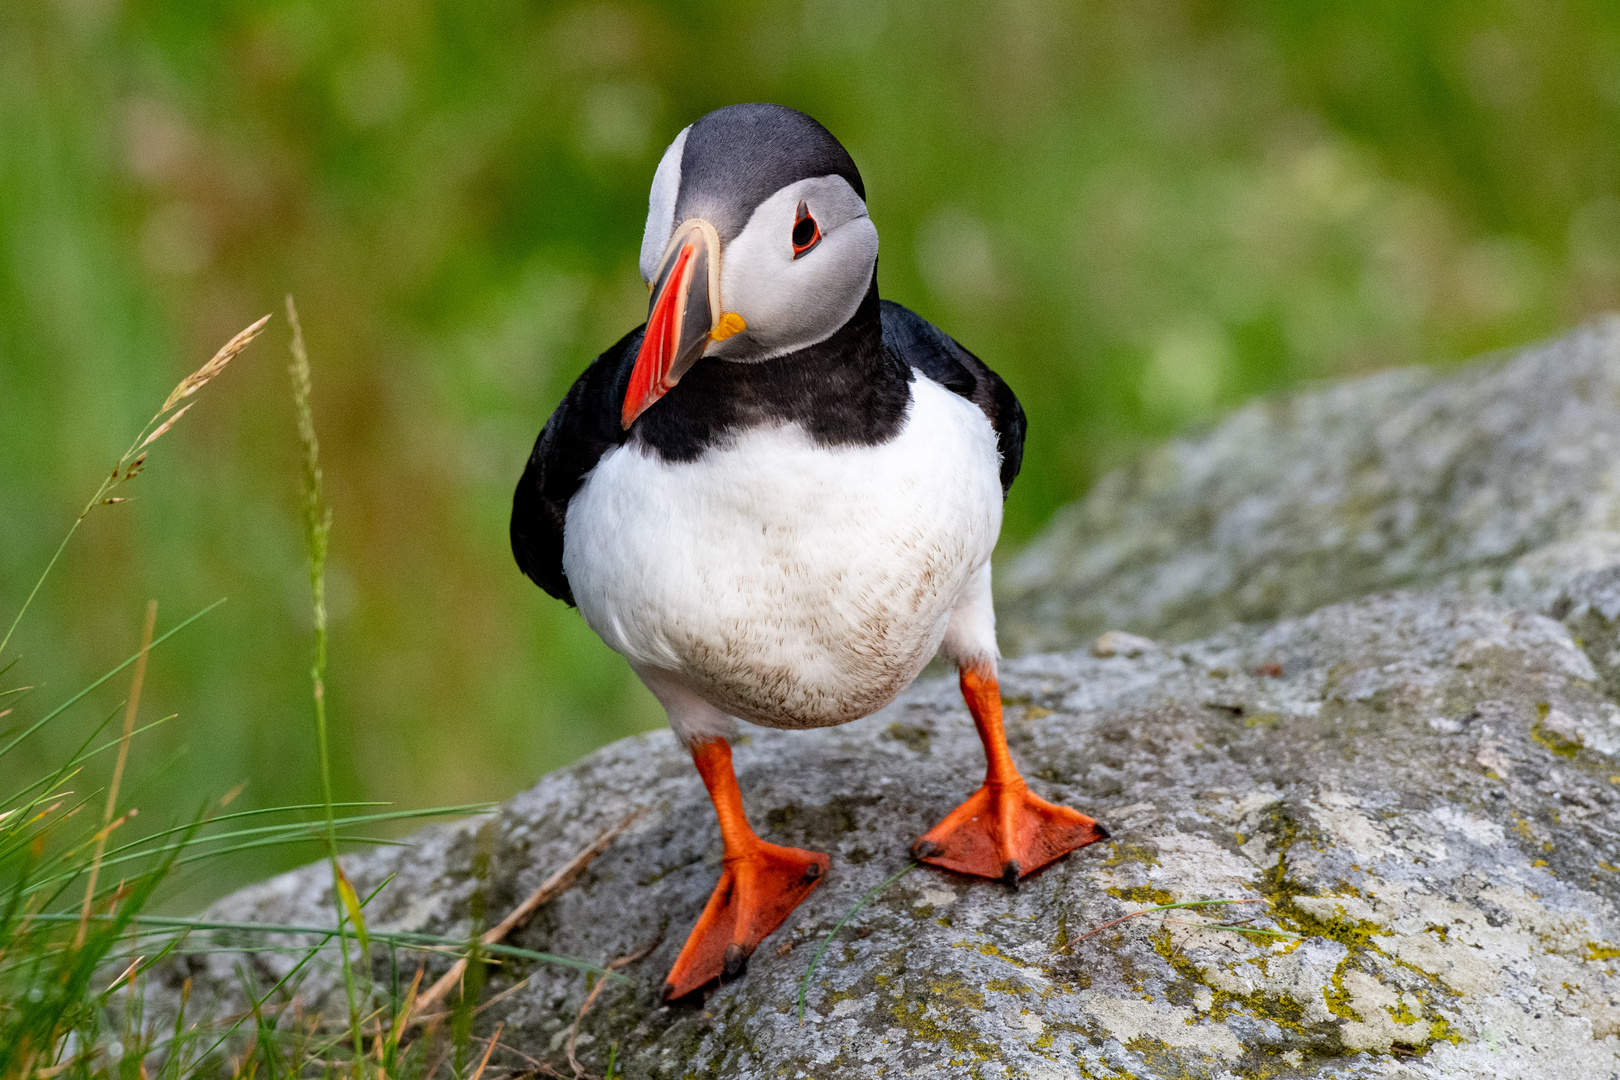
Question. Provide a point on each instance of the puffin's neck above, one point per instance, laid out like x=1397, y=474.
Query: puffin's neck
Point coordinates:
x=845, y=391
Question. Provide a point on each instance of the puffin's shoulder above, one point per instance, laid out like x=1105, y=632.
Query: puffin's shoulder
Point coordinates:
x=933, y=353
x=584, y=427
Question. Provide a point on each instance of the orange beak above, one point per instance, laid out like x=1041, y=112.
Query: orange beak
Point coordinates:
x=684, y=316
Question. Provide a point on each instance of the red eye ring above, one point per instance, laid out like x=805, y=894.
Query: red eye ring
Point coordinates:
x=806, y=233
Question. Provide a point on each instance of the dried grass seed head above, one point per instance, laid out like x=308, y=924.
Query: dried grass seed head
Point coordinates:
x=199, y=378
x=165, y=426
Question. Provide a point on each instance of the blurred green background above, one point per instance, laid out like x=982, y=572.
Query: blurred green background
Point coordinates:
x=1140, y=212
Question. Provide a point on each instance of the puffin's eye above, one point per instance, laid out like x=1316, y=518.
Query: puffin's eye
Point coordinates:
x=806, y=233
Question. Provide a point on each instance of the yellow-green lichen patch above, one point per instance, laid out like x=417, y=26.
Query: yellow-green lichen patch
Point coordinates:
x=1388, y=1018
x=1125, y=852
x=1553, y=741
x=1355, y=994
x=1164, y=1026
x=1008, y=986
x=1441, y=1031
x=950, y=998
x=1401, y=1012
x=1326, y=917
x=1601, y=951
x=1337, y=996
x=1373, y=1013
x=957, y=992
x=989, y=949
x=1142, y=894
x=1221, y=1001
x=1162, y=1058
x=1296, y=906
x=1113, y=1073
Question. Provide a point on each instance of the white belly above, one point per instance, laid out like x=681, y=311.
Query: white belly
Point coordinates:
x=789, y=584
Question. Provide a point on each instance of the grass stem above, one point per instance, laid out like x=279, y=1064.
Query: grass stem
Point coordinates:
x=1153, y=910
x=317, y=530
x=135, y=683
x=804, y=984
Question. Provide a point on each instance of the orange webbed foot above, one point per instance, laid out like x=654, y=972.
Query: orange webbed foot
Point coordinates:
x=758, y=890
x=1006, y=831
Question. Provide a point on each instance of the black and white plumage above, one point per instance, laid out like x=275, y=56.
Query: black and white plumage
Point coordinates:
x=778, y=499
x=802, y=521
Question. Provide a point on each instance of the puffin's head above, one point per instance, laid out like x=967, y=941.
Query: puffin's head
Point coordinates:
x=757, y=245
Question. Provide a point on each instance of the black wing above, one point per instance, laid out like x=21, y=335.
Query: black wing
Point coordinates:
x=936, y=354
x=584, y=427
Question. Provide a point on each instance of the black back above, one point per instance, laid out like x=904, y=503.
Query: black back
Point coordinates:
x=928, y=349
x=851, y=389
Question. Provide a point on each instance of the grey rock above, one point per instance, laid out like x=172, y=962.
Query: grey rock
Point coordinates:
x=1503, y=476
x=1414, y=789
x=1412, y=798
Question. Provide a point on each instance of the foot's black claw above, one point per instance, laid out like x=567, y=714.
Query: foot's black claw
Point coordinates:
x=736, y=962
x=812, y=871
x=1010, y=874
x=692, y=1000
x=926, y=849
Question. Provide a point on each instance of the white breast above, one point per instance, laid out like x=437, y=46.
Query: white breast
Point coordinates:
x=789, y=584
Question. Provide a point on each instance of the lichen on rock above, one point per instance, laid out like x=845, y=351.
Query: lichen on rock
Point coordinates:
x=1423, y=909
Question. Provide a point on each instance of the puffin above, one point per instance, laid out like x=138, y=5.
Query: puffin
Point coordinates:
x=777, y=500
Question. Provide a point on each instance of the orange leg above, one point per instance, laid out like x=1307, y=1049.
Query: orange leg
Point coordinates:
x=1004, y=831
x=760, y=885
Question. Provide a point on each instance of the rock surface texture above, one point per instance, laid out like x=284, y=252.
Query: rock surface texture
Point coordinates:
x=1416, y=794
x=1502, y=476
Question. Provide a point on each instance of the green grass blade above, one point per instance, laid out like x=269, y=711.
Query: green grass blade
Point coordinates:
x=310, y=954
x=82, y=755
x=263, y=836
x=304, y=826
x=401, y=938
x=80, y=696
